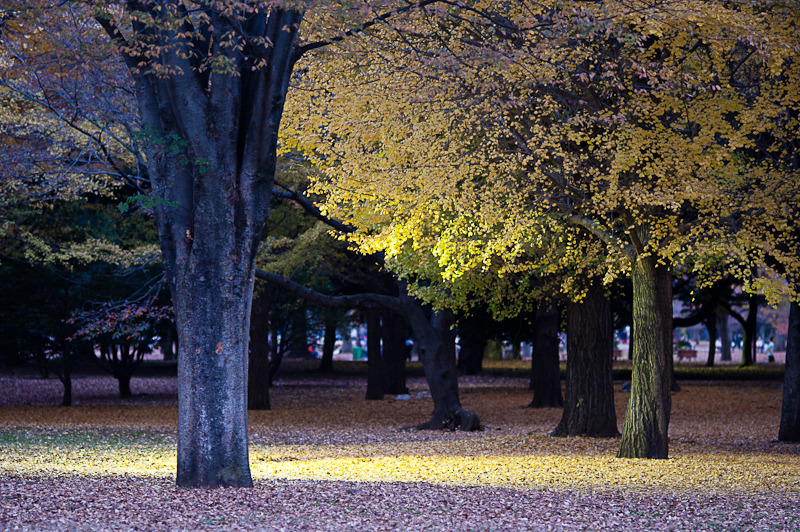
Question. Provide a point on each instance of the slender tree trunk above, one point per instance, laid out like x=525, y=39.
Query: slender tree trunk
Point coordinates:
x=258, y=371
x=749, y=332
x=711, y=325
x=375, y=376
x=790, y=411
x=328, y=344
x=436, y=348
x=275, y=353
x=298, y=346
x=645, y=431
x=631, y=345
x=394, y=352
x=545, y=364
x=589, y=405
x=473, y=345
x=66, y=375
x=724, y=337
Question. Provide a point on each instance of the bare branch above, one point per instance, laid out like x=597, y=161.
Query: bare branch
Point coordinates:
x=367, y=300
x=349, y=33
x=310, y=208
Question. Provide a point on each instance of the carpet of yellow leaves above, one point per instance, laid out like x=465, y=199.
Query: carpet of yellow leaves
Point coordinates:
x=722, y=441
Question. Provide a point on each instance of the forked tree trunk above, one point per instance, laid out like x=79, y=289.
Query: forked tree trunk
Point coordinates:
x=589, y=403
x=375, y=375
x=749, y=325
x=645, y=431
x=258, y=370
x=211, y=154
x=790, y=410
x=436, y=348
x=545, y=364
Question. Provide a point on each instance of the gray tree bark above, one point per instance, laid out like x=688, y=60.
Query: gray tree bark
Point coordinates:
x=212, y=141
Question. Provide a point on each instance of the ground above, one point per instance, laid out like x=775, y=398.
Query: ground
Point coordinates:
x=326, y=459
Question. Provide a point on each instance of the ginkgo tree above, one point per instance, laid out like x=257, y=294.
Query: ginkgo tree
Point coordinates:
x=209, y=80
x=573, y=138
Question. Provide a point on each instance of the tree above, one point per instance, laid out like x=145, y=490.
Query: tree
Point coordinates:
x=210, y=80
x=528, y=127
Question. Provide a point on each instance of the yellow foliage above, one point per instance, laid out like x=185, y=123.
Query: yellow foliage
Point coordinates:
x=491, y=148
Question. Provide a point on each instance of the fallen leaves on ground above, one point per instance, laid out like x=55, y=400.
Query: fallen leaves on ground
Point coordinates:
x=326, y=459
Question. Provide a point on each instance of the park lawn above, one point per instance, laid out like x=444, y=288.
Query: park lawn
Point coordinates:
x=323, y=439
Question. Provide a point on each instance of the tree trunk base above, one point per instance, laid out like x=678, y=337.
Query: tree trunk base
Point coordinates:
x=562, y=431
x=458, y=420
x=553, y=401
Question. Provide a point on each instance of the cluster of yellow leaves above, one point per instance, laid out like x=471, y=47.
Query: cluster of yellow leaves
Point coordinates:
x=466, y=153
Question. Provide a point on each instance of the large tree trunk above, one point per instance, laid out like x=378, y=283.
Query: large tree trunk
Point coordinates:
x=394, y=353
x=211, y=154
x=790, y=410
x=545, y=364
x=436, y=348
x=644, y=433
x=258, y=372
x=589, y=405
x=212, y=303
x=374, y=360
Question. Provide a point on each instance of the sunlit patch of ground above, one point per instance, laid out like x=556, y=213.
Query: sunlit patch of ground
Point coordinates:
x=347, y=455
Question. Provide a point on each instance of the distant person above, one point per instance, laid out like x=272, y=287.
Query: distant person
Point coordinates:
x=769, y=348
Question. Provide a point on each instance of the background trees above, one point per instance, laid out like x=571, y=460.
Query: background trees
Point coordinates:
x=628, y=139
x=490, y=152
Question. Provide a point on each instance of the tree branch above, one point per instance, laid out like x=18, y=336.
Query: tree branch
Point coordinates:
x=349, y=33
x=592, y=226
x=367, y=300
x=288, y=193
